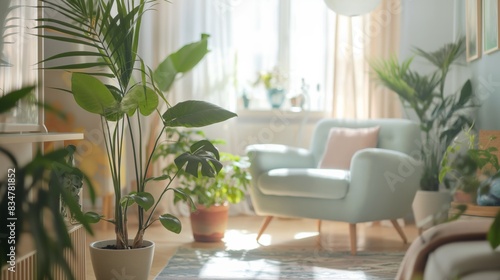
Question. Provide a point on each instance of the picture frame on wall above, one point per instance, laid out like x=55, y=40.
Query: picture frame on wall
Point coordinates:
x=473, y=34
x=490, y=11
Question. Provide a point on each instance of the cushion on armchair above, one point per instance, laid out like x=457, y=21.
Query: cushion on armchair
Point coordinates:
x=343, y=143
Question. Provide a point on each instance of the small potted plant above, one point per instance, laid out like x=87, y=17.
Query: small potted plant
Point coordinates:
x=465, y=171
x=211, y=195
x=274, y=83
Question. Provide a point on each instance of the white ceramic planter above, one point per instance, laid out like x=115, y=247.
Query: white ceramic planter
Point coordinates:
x=121, y=264
x=430, y=207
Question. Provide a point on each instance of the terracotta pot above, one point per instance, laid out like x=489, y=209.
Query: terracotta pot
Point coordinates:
x=463, y=197
x=121, y=264
x=209, y=224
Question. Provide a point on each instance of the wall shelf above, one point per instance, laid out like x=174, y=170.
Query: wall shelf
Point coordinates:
x=13, y=138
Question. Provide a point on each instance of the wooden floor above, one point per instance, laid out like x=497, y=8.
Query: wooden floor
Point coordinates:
x=242, y=231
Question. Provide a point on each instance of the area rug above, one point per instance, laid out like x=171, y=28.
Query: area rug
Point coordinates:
x=279, y=263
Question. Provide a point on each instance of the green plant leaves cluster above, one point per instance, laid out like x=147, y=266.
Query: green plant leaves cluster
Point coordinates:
x=114, y=82
x=441, y=115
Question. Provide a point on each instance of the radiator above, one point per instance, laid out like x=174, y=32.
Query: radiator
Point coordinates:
x=26, y=264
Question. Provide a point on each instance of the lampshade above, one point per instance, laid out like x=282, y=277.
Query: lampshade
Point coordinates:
x=352, y=7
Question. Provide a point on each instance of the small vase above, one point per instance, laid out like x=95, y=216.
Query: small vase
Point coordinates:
x=276, y=97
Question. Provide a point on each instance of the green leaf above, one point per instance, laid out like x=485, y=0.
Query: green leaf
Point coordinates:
x=465, y=94
x=91, y=94
x=165, y=74
x=203, y=158
x=10, y=100
x=189, y=55
x=494, y=232
x=171, y=223
x=144, y=199
x=159, y=178
x=140, y=97
x=92, y=217
x=181, y=61
x=194, y=113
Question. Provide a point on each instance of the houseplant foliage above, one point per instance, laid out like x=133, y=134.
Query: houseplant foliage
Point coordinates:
x=118, y=86
x=212, y=195
x=441, y=114
x=50, y=237
x=228, y=185
x=467, y=170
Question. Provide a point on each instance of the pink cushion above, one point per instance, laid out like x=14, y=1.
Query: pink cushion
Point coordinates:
x=344, y=142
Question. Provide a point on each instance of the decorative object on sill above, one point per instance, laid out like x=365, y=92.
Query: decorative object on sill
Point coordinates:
x=246, y=99
x=273, y=82
x=352, y=7
x=299, y=100
x=276, y=97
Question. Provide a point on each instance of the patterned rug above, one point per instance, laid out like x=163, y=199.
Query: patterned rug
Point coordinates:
x=276, y=263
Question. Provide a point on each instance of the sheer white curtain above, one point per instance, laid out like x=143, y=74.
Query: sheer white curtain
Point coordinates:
x=176, y=23
x=358, y=40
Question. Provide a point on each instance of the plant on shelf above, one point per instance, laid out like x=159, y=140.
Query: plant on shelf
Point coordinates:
x=118, y=86
x=466, y=171
x=441, y=114
x=228, y=186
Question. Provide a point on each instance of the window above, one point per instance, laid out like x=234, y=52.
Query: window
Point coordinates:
x=288, y=37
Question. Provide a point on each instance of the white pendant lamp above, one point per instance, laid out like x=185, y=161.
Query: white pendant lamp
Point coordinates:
x=352, y=7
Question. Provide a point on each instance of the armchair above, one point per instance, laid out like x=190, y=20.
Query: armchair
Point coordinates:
x=379, y=185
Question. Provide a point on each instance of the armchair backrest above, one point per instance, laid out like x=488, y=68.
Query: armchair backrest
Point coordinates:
x=395, y=134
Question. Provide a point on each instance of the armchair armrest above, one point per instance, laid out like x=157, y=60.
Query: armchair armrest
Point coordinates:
x=264, y=157
x=384, y=180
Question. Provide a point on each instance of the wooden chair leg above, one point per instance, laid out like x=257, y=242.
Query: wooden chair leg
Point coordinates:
x=352, y=234
x=264, y=226
x=318, y=240
x=399, y=230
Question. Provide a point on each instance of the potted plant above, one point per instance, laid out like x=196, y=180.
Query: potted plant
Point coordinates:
x=273, y=82
x=441, y=114
x=464, y=172
x=211, y=194
x=117, y=85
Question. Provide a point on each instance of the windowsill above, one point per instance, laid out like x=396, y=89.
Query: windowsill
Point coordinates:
x=255, y=115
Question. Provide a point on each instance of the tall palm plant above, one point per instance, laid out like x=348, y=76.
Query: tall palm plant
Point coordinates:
x=442, y=115
x=117, y=85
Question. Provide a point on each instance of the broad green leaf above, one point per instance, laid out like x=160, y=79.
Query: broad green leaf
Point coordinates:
x=203, y=158
x=465, y=93
x=10, y=100
x=165, y=74
x=91, y=94
x=140, y=97
x=180, y=61
x=171, y=223
x=494, y=232
x=189, y=55
x=92, y=217
x=127, y=200
x=144, y=199
x=194, y=113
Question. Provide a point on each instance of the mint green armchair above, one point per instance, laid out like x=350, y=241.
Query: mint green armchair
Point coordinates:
x=379, y=185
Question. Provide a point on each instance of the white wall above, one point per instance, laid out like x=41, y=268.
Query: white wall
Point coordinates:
x=428, y=24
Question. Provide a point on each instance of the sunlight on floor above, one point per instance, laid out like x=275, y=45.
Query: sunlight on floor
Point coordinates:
x=302, y=235
x=243, y=240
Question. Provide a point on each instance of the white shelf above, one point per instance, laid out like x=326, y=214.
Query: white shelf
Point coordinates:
x=13, y=138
